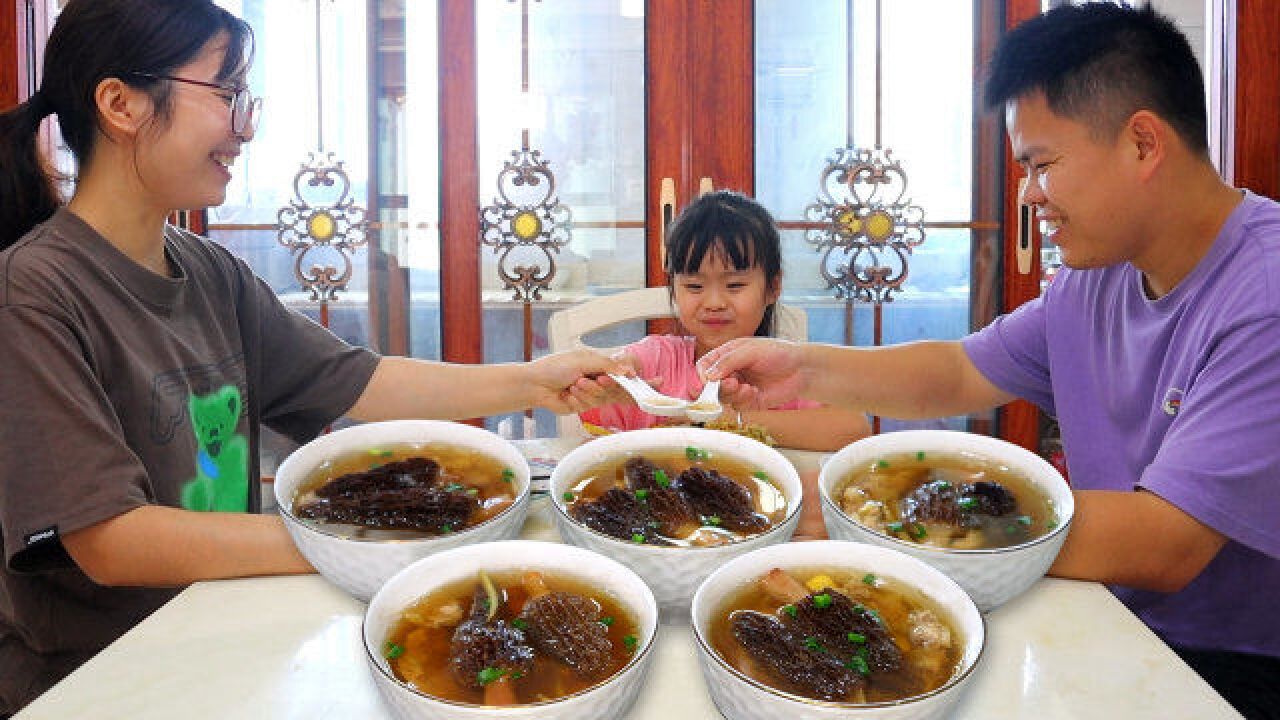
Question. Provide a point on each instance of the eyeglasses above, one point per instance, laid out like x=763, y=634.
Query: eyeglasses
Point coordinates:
x=245, y=108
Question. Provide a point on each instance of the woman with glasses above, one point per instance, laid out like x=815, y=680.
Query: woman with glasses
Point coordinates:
x=139, y=360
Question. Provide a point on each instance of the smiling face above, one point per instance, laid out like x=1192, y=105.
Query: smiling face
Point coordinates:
x=719, y=303
x=184, y=159
x=1084, y=189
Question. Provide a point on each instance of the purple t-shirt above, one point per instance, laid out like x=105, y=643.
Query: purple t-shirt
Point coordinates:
x=1179, y=396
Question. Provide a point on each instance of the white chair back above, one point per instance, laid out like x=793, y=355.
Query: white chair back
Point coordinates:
x=566, y=328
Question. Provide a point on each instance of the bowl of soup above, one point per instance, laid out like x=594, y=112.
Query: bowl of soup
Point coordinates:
x=834, y=629
x=363, y=502
x=988, y=513
x=675, y=503
x=512, y=629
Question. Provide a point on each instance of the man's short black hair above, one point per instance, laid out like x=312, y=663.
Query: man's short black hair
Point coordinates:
x=1098, y=64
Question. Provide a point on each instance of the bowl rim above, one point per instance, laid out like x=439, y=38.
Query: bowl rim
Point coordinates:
x=952, y=682
x=286, y=508
x=828, y=501
x=793, y=508
x=632, y=664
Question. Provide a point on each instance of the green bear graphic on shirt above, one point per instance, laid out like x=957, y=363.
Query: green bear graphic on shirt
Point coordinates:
x=222, y=467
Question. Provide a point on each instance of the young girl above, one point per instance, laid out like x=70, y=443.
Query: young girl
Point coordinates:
x=724, y=272
x=139, y=360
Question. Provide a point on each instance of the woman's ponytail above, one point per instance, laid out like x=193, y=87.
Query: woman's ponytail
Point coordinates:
x=28, y=191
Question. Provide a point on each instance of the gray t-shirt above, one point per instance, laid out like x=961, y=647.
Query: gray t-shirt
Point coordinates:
x=121, y=388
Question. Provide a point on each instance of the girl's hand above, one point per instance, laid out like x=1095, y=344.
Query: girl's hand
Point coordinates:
x=573, y=381
x=756, y=373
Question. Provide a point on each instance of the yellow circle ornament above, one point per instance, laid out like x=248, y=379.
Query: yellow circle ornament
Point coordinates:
x=849, y=223
x=879, y=226
x=321, y=226
x=526, y=225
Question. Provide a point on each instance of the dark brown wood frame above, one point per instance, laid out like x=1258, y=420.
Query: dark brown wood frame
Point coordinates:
x=1257, y=124
x=462, y=338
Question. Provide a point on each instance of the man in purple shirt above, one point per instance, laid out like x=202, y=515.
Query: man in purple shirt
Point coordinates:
x=1157, y=348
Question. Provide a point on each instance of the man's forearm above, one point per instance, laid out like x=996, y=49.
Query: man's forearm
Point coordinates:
x=1136, y=539
x=911, y=381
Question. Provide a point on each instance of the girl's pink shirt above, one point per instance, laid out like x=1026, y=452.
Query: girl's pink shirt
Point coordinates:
x=670, y=357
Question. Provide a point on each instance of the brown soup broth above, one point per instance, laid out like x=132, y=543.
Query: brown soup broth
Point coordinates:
x=424, y=636
x=872, y=495
x=924, y=668
x=487, y=476
x=766, y=498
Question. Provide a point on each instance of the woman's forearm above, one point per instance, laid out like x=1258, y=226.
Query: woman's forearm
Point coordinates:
x=156, y=546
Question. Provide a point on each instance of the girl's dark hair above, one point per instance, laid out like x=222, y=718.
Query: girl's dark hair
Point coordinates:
x=91, y=41
x=736, y=227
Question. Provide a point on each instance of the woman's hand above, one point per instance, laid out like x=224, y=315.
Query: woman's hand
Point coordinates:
x=756, y=373
x=576, y=380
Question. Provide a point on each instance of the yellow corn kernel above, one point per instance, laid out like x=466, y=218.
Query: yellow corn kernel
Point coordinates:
x=819, y=582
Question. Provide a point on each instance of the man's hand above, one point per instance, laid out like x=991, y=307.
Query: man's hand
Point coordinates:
x=756, y=373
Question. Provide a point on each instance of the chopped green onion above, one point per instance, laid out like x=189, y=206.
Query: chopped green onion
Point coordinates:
x=1051, y=524
x=568, y=496
x=606, y=621
x=822, y=601
x=695, y=454
x=520, y=623
x=660, y=477
x=967, y=503
x=630, y=641
x=894, y=527
x=516, y=674
x=453, y=487
x=856, y=637
x=790, y=610
x=637, y=538
x=869, y=579
x=858, y=665
x=489, y=674
x=1024, y=519
x=472, y=491
x=917, y=531
x=508, y=475
x=446, y=528
x=813, y=644
x=1010, y=529
x=642, y=495
x=882, y=464
x=875, y=614
x=762, y=475
x=941, y=484
x=712, y=520
x=920, y=455
x=392, y=650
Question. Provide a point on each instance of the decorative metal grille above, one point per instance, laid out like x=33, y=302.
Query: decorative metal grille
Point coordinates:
x=526, y=214
x=307, y=224
x=868, y=226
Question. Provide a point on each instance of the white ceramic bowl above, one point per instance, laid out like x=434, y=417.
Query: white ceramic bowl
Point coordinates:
x=741, y=698
x=673, y=572
x=991, y=576
x=361, y=566
x=610, y=699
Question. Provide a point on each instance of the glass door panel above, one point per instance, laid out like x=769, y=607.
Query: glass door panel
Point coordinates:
x=308, y=117
x=561, y=164
x=881, y=92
